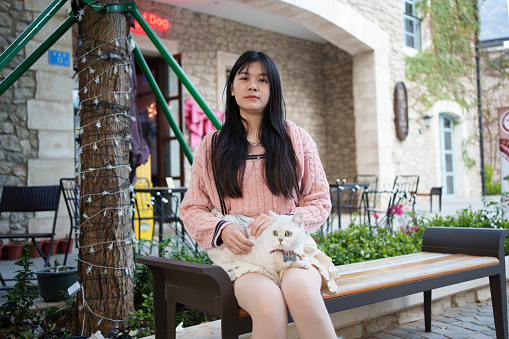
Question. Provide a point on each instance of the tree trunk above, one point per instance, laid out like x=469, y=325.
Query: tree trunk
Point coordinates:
x=105, y=267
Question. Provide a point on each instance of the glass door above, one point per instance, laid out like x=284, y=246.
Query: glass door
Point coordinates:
x=170, y=155
x=447, y=155
x=166, y=156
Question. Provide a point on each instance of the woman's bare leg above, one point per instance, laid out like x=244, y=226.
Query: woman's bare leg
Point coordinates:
x=301, y=290
x=264, y=302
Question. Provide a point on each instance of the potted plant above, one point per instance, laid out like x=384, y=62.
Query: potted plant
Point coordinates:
x=62, y=245
x=45, y=246
x=33, y=250
x=13, y=250
x=53, y=280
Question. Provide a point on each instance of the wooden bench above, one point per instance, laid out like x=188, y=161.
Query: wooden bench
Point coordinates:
x=450, y=256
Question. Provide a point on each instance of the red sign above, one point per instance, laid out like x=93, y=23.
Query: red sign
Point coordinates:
x=154, y=21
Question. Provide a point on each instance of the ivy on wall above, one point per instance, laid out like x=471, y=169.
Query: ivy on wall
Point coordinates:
x=446, y=70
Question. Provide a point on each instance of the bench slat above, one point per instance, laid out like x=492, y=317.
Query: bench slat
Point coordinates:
x=380, y=277
x=380, y=273
x=389, y=262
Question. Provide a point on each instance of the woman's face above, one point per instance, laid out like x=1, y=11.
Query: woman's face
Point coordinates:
x=251, y=90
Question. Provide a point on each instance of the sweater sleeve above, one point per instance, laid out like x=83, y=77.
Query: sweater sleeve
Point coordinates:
x=314, y=200
x=194, y=211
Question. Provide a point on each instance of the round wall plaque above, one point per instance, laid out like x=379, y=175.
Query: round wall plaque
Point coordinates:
x=401, y=110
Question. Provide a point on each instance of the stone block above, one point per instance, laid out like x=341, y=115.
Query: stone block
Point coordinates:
x=379, y=324
x=43, y=221
x=464, y=298
x=26, y=147
x=19, y=171
x=411, y=315
x=49, y=171
x=350, y=332
x=483, y=294
x=56, y=145
x=41, y=5
x=7, y=128
x=54, y=87
x=4, y=227
x=43, y=63
x=22, y=132
x=10, y=143
x=50, y=115
x=440, y=306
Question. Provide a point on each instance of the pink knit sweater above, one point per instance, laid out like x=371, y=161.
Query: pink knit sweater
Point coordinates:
x=202, y=195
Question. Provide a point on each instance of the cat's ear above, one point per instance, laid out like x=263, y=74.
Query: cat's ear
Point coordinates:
x=298, y=218
x=272, y=215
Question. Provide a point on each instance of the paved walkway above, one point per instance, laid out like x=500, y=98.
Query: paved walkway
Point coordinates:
x=473, y=321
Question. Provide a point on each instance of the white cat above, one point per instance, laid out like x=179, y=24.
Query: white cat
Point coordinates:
x=281, y=245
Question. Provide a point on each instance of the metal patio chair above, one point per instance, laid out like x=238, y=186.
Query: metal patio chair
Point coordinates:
x=31, y=199
x=354, y=200
x=71, y=197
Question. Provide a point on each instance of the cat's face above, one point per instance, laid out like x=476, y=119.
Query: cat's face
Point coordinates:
x=286, y=232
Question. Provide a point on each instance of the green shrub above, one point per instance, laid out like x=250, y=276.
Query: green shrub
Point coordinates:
x=16, y=310
x=492, y=188
x=363, y=242
x=495, y=214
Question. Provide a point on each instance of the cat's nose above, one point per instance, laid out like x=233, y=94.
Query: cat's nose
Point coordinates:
x=280, y=241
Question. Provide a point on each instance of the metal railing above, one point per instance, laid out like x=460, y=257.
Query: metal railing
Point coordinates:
x=131, y=7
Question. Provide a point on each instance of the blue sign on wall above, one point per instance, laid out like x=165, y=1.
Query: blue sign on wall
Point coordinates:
x=59, y=58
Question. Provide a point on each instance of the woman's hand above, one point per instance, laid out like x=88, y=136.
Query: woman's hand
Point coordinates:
x=235, y=238
x=260, y=224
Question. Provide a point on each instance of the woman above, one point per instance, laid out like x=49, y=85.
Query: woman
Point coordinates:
x=256, y=163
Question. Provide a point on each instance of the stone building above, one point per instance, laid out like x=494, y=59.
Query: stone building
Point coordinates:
x=339, y=60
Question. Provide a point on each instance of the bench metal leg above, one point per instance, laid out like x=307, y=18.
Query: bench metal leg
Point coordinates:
x=427, y=311
x=499, y=303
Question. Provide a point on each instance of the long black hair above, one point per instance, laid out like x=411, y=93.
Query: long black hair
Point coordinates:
x=229, y=151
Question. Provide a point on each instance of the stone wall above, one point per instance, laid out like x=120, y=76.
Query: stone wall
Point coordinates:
x=340, y=119
x=36, y=115
x=316, y=98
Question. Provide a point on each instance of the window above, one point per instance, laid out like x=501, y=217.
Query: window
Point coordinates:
x=411, y=25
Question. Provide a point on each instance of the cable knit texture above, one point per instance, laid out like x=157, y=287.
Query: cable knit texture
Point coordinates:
x=314, y=201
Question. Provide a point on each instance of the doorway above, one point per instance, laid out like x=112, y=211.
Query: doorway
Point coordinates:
x=166, y=155
x=447, y=155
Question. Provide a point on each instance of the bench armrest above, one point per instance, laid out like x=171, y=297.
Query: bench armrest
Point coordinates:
x=190, y=283
x=465, y=240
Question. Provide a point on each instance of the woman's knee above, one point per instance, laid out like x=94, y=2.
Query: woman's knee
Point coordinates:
x=300, y=286
x=260, y=296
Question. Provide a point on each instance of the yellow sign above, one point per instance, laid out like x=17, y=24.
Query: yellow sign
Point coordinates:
x=143, y=215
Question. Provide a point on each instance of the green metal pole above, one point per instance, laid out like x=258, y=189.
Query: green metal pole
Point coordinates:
x=39, y=51
x=29, y=32
x=162, y=102
x=174, y=66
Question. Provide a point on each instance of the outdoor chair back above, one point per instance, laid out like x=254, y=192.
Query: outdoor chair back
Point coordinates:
x=406, y=186
x=31, y=199
x=71, y=197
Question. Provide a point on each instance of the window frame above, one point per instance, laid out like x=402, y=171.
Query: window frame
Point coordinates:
x=416, y=25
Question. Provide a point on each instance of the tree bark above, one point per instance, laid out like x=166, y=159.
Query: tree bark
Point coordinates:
x=105, y=267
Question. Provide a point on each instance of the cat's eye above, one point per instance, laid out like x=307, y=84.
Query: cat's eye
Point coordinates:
x=288, y=234
x=274, y=233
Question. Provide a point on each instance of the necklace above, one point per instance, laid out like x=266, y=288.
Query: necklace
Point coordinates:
x=255, y=144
